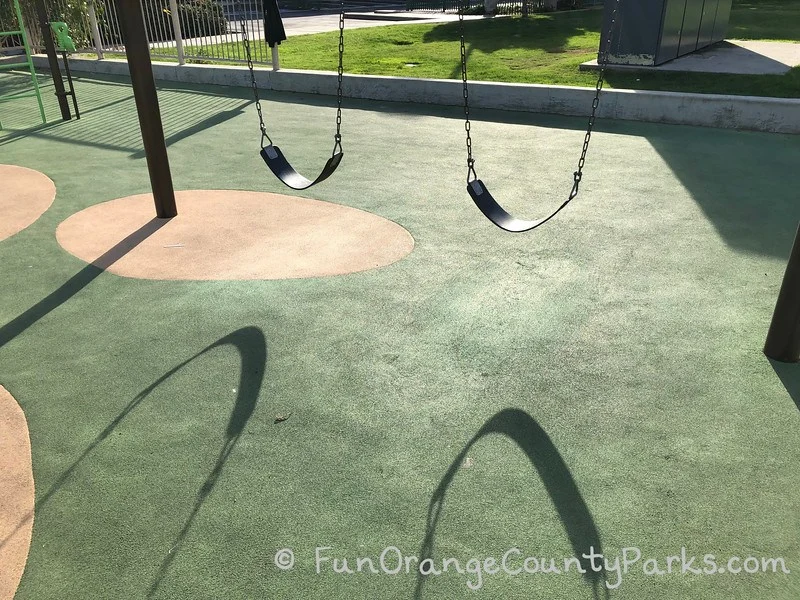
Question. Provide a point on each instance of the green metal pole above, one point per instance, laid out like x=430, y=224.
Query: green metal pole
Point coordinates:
x=28, y=60
x=783, y=339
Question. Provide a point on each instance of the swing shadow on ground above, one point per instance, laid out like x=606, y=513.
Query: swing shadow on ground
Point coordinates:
x=551, y=469
x=252, y=347
x=789, y=374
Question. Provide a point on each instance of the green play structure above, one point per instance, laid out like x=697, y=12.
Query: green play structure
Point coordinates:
x=65, y=45
x=63, y=39
x=26, y=64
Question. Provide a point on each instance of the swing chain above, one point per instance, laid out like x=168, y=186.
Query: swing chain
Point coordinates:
x=595, y=102
x=471, y=175
x=264, y=135
x=340, y=71
x=577, y=175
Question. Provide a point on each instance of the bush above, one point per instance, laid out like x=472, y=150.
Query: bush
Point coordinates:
x=74, y=15
x=202, y=17
x=7, y=18
x=8, y=22
x=198, y=18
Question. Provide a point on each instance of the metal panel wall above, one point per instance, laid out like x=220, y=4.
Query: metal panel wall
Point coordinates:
x=691, y=26
x=635, y=36
x=671, y=31
x=721, y=20
x=707, y=23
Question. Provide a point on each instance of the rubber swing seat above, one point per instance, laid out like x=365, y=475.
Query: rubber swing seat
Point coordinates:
x=278, y=164
x=492, y=210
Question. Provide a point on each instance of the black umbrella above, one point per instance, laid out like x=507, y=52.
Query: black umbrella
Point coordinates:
x=273, y=25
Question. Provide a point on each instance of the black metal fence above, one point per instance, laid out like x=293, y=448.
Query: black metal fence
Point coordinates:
x=202, y=30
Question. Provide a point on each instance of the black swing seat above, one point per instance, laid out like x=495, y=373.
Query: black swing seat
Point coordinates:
x=498, y=215
x=278, y=164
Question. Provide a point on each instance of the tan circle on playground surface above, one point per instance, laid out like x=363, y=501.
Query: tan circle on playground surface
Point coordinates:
x=16, y=494
x=24, y=195
x=223, y=235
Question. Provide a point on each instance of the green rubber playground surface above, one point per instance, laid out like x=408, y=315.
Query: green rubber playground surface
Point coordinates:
x=597, y=384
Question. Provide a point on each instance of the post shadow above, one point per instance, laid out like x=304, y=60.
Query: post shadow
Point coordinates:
x=77, y=282
x=108, y=139
x=40, y=129
x=575, y=515
x=789, y=374
x=206, y=123
x=252, y=347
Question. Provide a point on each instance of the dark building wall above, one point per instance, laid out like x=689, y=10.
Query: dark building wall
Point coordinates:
x=652, y=32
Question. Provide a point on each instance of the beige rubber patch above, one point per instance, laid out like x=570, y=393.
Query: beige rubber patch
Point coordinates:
x=16, y=494
x=24, y=195
x=220, y=235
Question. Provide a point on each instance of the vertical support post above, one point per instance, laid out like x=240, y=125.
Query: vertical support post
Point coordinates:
x=71, y=91
x=52, y=58
x=98, y=41
x=176, y=28
x=144, y=91
x=783, y=339
x=276, y=61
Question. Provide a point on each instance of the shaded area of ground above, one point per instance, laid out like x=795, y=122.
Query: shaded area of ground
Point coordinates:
x=629, y=330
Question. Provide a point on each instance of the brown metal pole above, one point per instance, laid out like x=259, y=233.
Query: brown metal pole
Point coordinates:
x=783, y=339
x=144, y=91
x=52, y=58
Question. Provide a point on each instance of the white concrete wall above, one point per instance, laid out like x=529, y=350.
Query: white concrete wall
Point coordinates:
x=775, y=115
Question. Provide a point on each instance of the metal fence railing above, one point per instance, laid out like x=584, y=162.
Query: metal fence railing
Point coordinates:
x=176, y=29
x=73, y=12
x=204, y=30
x=197, y=30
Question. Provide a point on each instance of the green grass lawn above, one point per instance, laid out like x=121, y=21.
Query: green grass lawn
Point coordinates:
x=544, y=48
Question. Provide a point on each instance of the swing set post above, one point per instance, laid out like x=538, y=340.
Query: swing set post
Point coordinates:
x=144, y=91
x=52, y=58
x=783, y=339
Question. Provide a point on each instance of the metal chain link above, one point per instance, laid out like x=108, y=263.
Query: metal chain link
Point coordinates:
x=338, y=137
x=595, y=103
x=471, y=175
x=264, y=135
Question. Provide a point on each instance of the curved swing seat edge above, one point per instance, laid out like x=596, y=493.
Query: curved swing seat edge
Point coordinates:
x=492, y=210
x=283, y=170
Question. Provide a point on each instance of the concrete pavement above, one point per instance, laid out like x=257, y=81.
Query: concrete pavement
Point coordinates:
x=740, y=57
